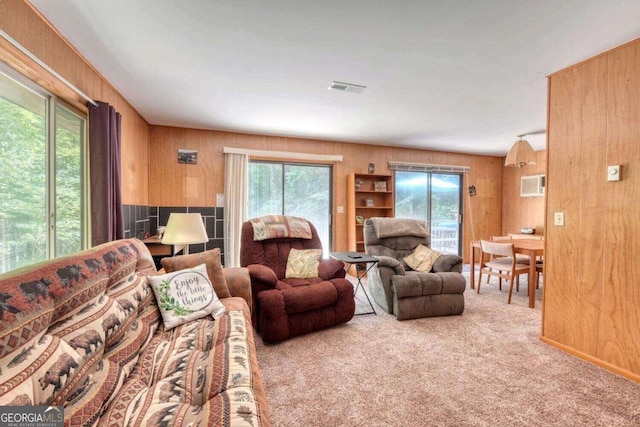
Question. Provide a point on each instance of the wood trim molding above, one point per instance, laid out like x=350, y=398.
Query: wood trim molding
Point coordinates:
x=595, y=361
x=20, y=62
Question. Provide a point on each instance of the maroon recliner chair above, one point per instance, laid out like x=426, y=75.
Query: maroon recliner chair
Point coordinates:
x=287, y=307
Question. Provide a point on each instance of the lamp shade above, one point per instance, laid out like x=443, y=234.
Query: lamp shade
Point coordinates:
x=521, y=154
x=185, y=229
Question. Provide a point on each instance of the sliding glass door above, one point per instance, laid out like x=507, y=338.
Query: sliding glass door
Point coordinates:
x=436, y=198
x=295, y=189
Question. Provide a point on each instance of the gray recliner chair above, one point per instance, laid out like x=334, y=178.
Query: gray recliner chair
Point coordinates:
x=395, y=286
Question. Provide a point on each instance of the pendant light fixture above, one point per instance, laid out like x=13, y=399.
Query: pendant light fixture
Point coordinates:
x=521, y=154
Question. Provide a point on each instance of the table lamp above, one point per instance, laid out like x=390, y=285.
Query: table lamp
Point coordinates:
x=185, y=229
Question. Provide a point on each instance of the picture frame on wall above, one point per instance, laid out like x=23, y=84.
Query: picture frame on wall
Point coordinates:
x=187, y=156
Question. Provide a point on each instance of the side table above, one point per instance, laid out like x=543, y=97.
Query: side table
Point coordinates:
x=159, y=251
x=357, y=259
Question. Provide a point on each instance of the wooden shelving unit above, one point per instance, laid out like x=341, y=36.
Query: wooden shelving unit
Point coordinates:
x=381, y=203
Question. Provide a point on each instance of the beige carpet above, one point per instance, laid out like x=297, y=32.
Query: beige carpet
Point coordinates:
x=484, y=368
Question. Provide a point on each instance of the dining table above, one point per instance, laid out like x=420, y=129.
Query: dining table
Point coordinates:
x=534, y=248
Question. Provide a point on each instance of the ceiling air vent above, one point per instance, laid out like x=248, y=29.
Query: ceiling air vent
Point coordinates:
x=347, y=87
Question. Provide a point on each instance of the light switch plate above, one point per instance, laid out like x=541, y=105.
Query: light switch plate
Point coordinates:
x=558, y=219
x=613, y=173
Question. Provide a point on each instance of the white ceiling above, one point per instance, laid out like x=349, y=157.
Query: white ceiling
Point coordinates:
x=463, y=76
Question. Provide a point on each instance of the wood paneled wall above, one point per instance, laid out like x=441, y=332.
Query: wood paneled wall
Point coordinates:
x=25, y=25
x=174, y=184
x=518, y=212
x=592, y=264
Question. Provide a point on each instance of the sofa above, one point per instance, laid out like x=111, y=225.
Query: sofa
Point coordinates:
x=288, y=302
x=85, y=332
x=402, y=290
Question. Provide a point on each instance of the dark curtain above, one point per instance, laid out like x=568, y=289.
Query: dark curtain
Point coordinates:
x=107, y=221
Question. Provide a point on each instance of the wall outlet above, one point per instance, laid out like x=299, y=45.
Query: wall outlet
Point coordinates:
x=558, y=219
x=340, y=209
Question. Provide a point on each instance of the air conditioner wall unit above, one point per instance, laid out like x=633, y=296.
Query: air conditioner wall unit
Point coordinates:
x=532, y=186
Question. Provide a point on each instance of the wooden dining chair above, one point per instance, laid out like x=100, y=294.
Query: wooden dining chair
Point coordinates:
x=521, y=259
x=501, y=262
x=539, y=271
x=530, y=237
x=493, y=257
x=539, y=260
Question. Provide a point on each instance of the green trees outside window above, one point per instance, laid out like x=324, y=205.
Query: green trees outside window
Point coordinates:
x=294, y=189
x=42, y=176
x=69, y=182
x=436, y=198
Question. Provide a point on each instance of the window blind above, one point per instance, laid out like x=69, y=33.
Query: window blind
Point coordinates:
x=426, y=167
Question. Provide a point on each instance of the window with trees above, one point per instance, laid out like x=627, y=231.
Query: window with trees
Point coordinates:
x=42, y=183
x=436, y=198
x=296, y=189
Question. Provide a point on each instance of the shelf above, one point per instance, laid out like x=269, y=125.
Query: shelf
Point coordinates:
x=373, y=191
x=383, y=204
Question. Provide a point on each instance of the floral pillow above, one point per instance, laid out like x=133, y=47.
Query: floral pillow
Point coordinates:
x=185, y=295
x=422, y=259
x=303, y=264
